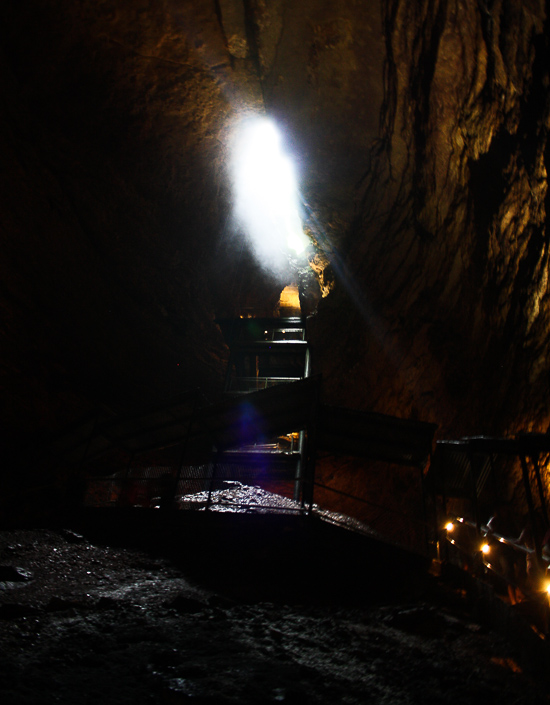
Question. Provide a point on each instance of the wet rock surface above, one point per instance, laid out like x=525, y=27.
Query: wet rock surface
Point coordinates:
x=99, y=623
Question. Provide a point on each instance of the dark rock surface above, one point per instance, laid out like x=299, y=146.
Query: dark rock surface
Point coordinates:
x=104, y=623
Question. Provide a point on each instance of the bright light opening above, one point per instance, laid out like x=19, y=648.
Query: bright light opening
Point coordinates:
x=289, y=302
x=266, y=192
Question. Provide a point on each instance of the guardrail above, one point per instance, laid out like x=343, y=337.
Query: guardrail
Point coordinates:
x=245, y=385
x=403, y=528
x=511, y=566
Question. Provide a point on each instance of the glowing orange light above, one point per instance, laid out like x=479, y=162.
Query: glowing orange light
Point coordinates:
x=290, y=300
x=485, y=548
x=449, y=526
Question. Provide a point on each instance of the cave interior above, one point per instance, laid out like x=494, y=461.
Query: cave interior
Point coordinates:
x=418, y=138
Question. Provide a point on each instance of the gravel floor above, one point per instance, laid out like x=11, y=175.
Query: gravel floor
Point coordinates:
x=82, y=622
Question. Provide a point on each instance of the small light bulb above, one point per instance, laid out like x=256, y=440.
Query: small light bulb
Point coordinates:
x=547, y=587
x=449, y=526
x=485, y=548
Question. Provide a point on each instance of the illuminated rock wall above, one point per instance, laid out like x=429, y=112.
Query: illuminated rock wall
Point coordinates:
x=447, y=260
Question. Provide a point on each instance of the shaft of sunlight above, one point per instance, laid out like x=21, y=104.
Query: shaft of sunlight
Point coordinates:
x=267, y=202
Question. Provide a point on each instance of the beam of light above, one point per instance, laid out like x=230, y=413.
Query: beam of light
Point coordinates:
x=267, y=203
x=377, y=327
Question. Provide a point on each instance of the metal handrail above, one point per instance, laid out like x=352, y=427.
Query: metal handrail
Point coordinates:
x=506, y=540
x=539, y=596
x=371, y=504
x=257, y=383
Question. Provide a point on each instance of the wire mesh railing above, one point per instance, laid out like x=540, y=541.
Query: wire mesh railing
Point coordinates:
x=245, y=385
x=199, y=486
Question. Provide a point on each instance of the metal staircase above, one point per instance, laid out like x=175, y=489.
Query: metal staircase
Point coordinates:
x=265, y=353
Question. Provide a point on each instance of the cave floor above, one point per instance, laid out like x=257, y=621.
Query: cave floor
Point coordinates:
x=83, y=621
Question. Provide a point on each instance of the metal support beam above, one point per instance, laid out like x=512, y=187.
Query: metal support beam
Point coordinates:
x=531, y=506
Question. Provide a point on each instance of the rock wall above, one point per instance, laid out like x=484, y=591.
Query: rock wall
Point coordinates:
x=445, y=270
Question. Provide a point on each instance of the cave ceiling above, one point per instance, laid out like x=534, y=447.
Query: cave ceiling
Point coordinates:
x=419, y=133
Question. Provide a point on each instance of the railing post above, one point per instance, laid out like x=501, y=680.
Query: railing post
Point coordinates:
x=77, y=488
x=300, y=467
x=473, y=483
x=425, y=512
x=186, y=440
x=531, y=505
x=311, y=449
x=542, y=496
x=215, y=461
